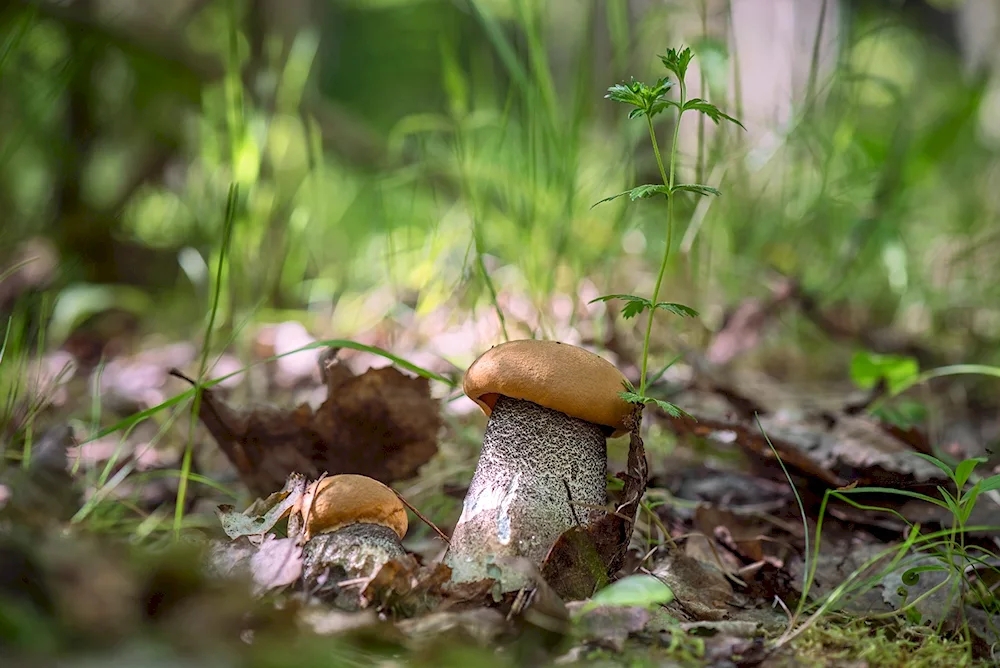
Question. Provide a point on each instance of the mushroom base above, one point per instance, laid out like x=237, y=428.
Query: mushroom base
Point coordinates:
x=356, y=551
x=533, y=461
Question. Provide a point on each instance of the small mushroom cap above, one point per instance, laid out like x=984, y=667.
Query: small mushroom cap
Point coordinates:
x=555, y=375
x=338, y=501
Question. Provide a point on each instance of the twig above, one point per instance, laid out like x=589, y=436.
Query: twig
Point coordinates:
x=569, y=498
x=441, y=534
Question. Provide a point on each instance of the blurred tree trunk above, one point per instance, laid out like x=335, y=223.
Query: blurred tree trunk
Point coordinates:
x=781, y=50
x=84, y=234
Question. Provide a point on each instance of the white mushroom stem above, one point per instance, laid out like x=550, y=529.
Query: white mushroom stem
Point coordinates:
x=517, y=504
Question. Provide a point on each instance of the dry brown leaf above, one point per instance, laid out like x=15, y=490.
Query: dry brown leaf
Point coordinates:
x=608, y=626
x=382, y=424
x=739, y=533
x=407, y=588
x=583, y=558
x=263, y=514
x=277, y=563
x=833, y=448
x=699, y=587
x=483, y=626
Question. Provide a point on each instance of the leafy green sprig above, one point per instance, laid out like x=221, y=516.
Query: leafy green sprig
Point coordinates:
x=647, y=101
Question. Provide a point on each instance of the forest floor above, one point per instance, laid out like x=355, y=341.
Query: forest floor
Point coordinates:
x=793, y=522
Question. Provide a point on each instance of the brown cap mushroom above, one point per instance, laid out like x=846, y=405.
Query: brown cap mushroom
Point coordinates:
x=338, y=501
x=543, y=464
x=353, y=526
x=555, y=375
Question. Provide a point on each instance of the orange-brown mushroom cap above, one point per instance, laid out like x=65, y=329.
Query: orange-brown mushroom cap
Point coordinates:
x=338, y=501
x=555, y=375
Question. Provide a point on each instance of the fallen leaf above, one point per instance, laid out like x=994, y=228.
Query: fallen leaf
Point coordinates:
x=608, y=626
x=326, y=621
x=729, y=628
x=570, y=567
x=229, y=559
x=731, y=491
x=483, y=626
x=277, y=563
x=538, y=612
x=837, y=563
x=261, y=516
x=740, y=534
x=382, y=424
x=406, y=588
x=833, y=448
x=573, y=566
x=700, y=588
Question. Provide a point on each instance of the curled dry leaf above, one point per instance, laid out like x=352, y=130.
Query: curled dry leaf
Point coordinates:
x=584, y=557
x=261, y=516
x=382, y=424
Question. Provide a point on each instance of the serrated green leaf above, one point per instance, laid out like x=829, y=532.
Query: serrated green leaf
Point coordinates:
x=630, y=93
x=639, y=192
x=710, y=110
x=647, y=100
x=678, y=309
x=634, y=308
x=607, y=298
x=661, y=106
x=697, y=188
x=672, y=410
x=677, y=61
x=633, y=591
x=647, y=190
x=663, y=85
x=608, y=199
x=633, y=397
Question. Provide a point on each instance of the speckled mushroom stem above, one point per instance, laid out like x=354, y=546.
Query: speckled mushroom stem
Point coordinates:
x=517, y=502
x=356, y=551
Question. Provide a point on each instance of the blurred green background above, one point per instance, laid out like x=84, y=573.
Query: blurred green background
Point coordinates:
x=408, y=159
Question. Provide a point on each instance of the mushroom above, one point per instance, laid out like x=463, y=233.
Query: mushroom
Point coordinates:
x=352, y=526
x=551, y=407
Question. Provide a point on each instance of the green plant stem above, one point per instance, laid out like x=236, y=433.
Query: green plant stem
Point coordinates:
x=186, y=461
x=668, y=181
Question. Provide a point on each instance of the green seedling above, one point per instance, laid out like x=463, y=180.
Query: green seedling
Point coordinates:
x=647, y=101
x=946, y=547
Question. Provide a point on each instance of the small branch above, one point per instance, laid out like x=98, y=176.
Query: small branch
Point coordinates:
x=441, y=534
x=571, y=503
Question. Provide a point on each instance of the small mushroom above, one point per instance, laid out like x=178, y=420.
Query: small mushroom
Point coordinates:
x=551, y=407
x=352, y=526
